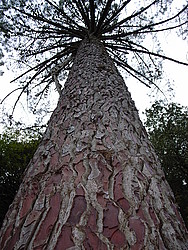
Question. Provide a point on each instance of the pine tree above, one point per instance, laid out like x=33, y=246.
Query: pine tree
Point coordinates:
x=95, y=181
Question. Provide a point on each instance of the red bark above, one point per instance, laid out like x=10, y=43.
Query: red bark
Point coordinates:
x=95, y=181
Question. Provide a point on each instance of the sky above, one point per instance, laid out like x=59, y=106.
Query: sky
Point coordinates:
x=173, y=46
x=177, y=75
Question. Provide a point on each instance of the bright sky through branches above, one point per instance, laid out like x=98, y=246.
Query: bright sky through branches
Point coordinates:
x=177, y=74
x=171, y=44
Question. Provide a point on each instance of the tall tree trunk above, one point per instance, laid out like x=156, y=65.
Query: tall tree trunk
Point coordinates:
x=95, y=181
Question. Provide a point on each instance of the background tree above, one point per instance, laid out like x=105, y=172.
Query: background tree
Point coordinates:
x=94, y=181
x=168, y=130
x=16, y=150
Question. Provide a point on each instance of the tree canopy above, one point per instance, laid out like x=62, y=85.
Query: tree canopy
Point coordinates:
x=168, y=130
x=46, y=34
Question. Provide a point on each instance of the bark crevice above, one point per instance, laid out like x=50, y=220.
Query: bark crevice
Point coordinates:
x=98, y=182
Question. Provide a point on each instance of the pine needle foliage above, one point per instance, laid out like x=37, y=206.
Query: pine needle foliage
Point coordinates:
x=46, y=34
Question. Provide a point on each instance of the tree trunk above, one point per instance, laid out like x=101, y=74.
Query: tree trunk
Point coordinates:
x=95, y=181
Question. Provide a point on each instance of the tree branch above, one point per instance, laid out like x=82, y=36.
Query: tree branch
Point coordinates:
x=82, y=12
x=92, y=14
x=114, y=15
x=158, y=55
x=103, y=16
x=118, y=24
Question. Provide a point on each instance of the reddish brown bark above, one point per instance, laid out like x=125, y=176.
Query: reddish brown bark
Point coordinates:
x=95, y=181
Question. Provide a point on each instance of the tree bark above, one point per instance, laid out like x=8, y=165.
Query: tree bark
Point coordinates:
x=95, y=181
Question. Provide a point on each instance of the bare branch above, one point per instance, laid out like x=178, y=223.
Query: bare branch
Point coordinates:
x=41, y=65
x=114, y=15
x=10, y=94
x=70, y=20
x=64, y=30
x=82, y=12
x=158, y=55
x=103, y=15
x=18, y=98
x=92, y=14
x=118, y=24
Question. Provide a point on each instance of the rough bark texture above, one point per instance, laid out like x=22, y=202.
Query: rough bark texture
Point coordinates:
x=95, y=181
